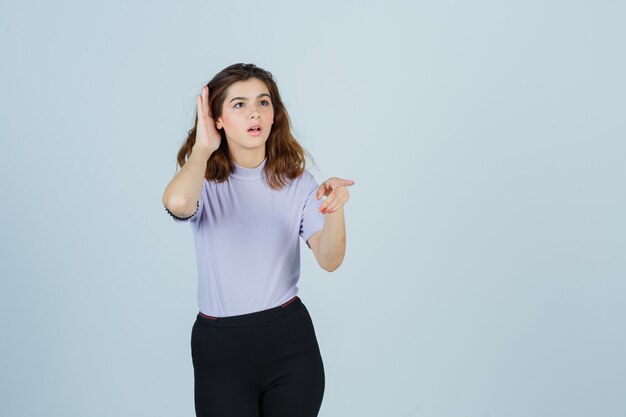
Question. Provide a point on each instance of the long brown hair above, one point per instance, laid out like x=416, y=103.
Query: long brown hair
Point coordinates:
x=285, y=156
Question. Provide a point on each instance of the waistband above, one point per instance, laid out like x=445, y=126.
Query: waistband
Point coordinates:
x=250, y=318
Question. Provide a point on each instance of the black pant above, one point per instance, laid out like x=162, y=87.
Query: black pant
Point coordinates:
x=265, y=363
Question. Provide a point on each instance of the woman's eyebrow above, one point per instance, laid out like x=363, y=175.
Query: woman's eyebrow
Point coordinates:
x=245, y=98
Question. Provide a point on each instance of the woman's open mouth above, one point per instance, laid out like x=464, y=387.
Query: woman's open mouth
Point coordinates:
x=255, y=131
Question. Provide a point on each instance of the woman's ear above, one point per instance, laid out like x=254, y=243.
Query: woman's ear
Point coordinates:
x=218, y=123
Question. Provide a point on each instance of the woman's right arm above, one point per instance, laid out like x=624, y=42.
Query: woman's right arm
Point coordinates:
x=182, y=194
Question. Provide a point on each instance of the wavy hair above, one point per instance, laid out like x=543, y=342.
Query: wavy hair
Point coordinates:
x=285, y=156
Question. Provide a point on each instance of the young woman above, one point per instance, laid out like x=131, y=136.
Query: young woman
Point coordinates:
x=245, y=191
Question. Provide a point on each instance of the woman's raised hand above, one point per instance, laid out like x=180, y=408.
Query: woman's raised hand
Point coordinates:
x=207, y=136
x=336, y=190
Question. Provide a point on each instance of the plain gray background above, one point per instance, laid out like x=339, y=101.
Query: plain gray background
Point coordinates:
x=484, y=273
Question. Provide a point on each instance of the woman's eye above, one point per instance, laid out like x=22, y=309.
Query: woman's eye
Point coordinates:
x=262, y=101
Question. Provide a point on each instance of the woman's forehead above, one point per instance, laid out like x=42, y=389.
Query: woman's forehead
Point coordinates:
x=247, y=89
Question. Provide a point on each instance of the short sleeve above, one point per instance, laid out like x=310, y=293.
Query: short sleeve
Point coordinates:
x=195, y=216
x=312, y=220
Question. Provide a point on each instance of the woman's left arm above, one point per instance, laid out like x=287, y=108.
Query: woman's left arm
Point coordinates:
x=329, y=246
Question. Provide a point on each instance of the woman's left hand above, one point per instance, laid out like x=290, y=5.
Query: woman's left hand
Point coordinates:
x=337, y=191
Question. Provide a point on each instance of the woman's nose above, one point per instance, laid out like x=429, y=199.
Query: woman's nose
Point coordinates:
x=255, y=111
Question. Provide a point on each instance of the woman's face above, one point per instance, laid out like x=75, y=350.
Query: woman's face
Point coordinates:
x=248, y=103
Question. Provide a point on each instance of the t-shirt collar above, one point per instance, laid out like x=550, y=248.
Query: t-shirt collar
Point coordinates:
x=244, y=173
